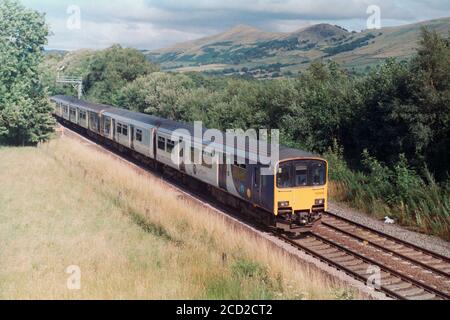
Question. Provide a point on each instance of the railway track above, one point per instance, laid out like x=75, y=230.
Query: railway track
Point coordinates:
x=358, y=251
x=431, y=261
x=393, y=283
x=406, y=271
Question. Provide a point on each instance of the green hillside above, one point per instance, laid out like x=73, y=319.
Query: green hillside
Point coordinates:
x=247, y=50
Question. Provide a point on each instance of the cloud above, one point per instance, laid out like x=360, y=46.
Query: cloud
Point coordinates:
x=149, y=24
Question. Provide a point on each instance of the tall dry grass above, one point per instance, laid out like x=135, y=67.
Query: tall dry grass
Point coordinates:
x=132, y=236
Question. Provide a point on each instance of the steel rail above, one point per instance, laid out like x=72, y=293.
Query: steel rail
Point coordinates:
x=391, y=238
x=391, y=251
x=370, y=261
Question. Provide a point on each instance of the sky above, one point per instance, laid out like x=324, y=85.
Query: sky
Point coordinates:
x=153, y=24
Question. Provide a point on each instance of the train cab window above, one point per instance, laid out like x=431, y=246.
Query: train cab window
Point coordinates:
x=301, y=175
x=138, y=135
x=284, y=176
x=161, y=143
x=170, y=146
x=318, y=173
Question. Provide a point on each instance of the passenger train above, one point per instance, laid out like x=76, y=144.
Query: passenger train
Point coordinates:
x=292, y=197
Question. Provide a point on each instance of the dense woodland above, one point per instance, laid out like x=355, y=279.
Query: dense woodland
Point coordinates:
x=386, y=133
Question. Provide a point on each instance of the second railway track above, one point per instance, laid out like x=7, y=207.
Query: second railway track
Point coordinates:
x=355, y=249
x=423, y=273
x=393, y=283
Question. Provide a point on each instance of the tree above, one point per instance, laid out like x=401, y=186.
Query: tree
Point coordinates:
x=112, y=69
x=158, y=94
x=25, y=112
x=431, y=70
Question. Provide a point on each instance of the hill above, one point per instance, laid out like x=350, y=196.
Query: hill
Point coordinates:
x=250, y=50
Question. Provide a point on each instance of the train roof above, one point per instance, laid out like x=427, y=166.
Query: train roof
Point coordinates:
x=97, y=107
x=290, y=153
x=165, y=124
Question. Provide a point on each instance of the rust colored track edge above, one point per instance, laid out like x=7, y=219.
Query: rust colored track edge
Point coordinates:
x=393, y=252
x=365, y=259
x=391, y=238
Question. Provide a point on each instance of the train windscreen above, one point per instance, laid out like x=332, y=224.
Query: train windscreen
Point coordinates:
x=301, y=173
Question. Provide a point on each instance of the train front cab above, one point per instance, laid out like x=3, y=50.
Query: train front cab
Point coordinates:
x=300, y=192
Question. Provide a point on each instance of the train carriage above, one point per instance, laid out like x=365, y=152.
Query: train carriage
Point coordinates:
x=132, y=130
x=292, y=196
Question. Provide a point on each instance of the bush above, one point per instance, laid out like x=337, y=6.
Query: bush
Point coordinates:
x=398, y=192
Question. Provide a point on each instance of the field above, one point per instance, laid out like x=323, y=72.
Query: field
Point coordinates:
x=64, y=204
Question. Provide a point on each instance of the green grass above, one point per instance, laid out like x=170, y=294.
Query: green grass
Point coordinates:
x=420, y=204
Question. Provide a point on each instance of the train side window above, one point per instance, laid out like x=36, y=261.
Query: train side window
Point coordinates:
x=257, y=177
x=170, y=146
x=138, y=135
x=119, y=128
x=107, y=125
x=209, y=156
x=125, y=130
x=161, y=143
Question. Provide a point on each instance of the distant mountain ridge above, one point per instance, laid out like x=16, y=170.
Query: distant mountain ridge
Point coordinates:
x=248, y=47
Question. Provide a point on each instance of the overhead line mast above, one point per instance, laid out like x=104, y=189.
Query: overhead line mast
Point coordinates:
x=76, y=82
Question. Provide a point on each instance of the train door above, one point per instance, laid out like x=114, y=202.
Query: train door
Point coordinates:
x=256, y=193
x=131, y=141
x=181, y=152
x=223, y=172
x=113, y=122
x=150, y=142
x=154, y=144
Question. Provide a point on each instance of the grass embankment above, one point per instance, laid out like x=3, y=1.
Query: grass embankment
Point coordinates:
x=66, y=204
x=400, y=193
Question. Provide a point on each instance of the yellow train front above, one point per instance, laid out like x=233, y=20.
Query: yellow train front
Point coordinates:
x=293, y=197
x=300, y=192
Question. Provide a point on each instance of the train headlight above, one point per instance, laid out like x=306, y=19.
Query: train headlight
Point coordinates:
x=320, y=202
x=283, y=204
